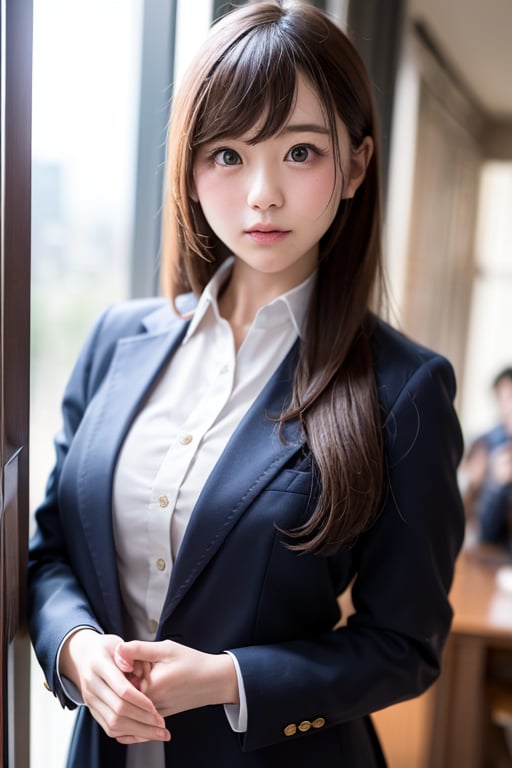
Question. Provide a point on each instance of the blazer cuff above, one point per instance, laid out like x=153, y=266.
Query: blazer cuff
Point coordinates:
x=68, y=688
x=237, y=713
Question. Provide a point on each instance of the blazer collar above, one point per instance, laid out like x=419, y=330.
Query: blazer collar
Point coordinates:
x=163, y=319
x=135, y=366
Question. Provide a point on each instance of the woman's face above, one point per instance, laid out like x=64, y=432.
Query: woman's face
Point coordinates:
x=270, y=203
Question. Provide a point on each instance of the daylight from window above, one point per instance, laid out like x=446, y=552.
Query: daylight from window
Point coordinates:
x=85, y=114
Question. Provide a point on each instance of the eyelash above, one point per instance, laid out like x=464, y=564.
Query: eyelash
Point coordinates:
x=311, y=148
x=212, y=156
x=214, y=153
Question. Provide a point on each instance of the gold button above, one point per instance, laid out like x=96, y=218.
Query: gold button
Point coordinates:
x=186, y=439
x=304, y=726
x=318, y=723
x=153, y=626
x=160, y=564
x=47, y=686
x=290, y=730
x=163, y=501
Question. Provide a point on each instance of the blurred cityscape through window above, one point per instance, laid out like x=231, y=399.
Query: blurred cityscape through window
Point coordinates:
x=86, y=74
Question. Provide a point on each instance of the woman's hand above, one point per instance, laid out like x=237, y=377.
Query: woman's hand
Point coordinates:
x=177, y=678
x=114, y=700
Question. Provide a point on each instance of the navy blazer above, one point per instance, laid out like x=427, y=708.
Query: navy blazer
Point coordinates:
x=234, y=585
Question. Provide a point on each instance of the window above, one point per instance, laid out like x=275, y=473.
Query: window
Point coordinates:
x=86, y=78
x=489, y=348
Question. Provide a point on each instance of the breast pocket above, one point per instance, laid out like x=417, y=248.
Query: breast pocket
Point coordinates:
x=293, y=481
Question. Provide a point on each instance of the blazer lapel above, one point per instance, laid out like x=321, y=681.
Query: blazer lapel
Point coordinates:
x=252, y=457
x=135, y=366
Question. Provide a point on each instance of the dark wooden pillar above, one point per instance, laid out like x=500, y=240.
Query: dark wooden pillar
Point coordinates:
x=15, y=164
x=376, y=29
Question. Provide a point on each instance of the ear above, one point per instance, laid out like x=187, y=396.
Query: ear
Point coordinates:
x=359, y=159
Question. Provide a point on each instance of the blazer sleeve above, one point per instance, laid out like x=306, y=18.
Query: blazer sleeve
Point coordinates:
x=56, y=602
x=391, y=647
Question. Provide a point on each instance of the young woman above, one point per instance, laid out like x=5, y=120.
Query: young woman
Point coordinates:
x=226, y=471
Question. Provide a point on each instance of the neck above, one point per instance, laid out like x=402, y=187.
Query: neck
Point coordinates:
x=238, y=304
x=247, y=291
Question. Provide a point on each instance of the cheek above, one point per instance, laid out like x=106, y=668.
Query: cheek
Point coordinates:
x=213, y=194
x=320, y=194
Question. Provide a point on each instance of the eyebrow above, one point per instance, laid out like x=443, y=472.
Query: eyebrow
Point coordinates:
x=322, y=130
x=306, y=128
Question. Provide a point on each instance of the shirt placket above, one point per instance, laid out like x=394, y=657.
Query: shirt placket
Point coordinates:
x=201, y=414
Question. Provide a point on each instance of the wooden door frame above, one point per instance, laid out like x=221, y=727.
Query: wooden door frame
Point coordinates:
x=15, y=222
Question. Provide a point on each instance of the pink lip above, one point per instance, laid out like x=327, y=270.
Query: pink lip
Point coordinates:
x=266, y=234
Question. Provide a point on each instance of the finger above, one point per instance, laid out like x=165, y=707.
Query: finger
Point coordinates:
x=135, y=681
x=124, y=664
x=139, y=650
x=131, y=740
x=141, y=669
x=127, y=692
x=119, y=719
x=137, y=740
x=109, y=690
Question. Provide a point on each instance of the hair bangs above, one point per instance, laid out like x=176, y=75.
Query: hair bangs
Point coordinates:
x=253, y=85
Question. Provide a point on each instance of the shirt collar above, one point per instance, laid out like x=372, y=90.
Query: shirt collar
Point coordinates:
x=208, y=298
x=291, y=306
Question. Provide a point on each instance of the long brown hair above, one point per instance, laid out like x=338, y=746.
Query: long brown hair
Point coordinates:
x=247, y=69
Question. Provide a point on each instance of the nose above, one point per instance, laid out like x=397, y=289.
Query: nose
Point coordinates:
x=264, y=190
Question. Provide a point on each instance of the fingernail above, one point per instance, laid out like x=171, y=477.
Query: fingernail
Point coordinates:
x=121, y=663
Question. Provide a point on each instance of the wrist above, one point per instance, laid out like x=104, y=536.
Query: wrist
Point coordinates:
x=72, y=651
x=227, y=679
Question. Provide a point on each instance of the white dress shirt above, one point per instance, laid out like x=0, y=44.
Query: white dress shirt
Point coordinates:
x=173, y=445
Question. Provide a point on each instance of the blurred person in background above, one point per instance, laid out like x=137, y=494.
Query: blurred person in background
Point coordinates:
x=487, y=472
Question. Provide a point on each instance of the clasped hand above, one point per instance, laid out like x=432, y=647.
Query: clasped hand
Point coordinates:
x=130, y=687
x=176, y=678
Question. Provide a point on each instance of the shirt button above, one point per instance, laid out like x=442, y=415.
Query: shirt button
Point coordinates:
x=153, y=626
x=224, y=369
x=163, y=501
x=160, y=564
x=186, y=439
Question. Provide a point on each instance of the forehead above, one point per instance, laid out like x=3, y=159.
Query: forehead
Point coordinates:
x=306, y=113
x=307, y=105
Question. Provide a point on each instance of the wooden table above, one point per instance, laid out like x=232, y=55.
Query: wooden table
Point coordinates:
x=482, y=624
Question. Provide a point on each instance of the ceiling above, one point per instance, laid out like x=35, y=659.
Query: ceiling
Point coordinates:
x=475, y=37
